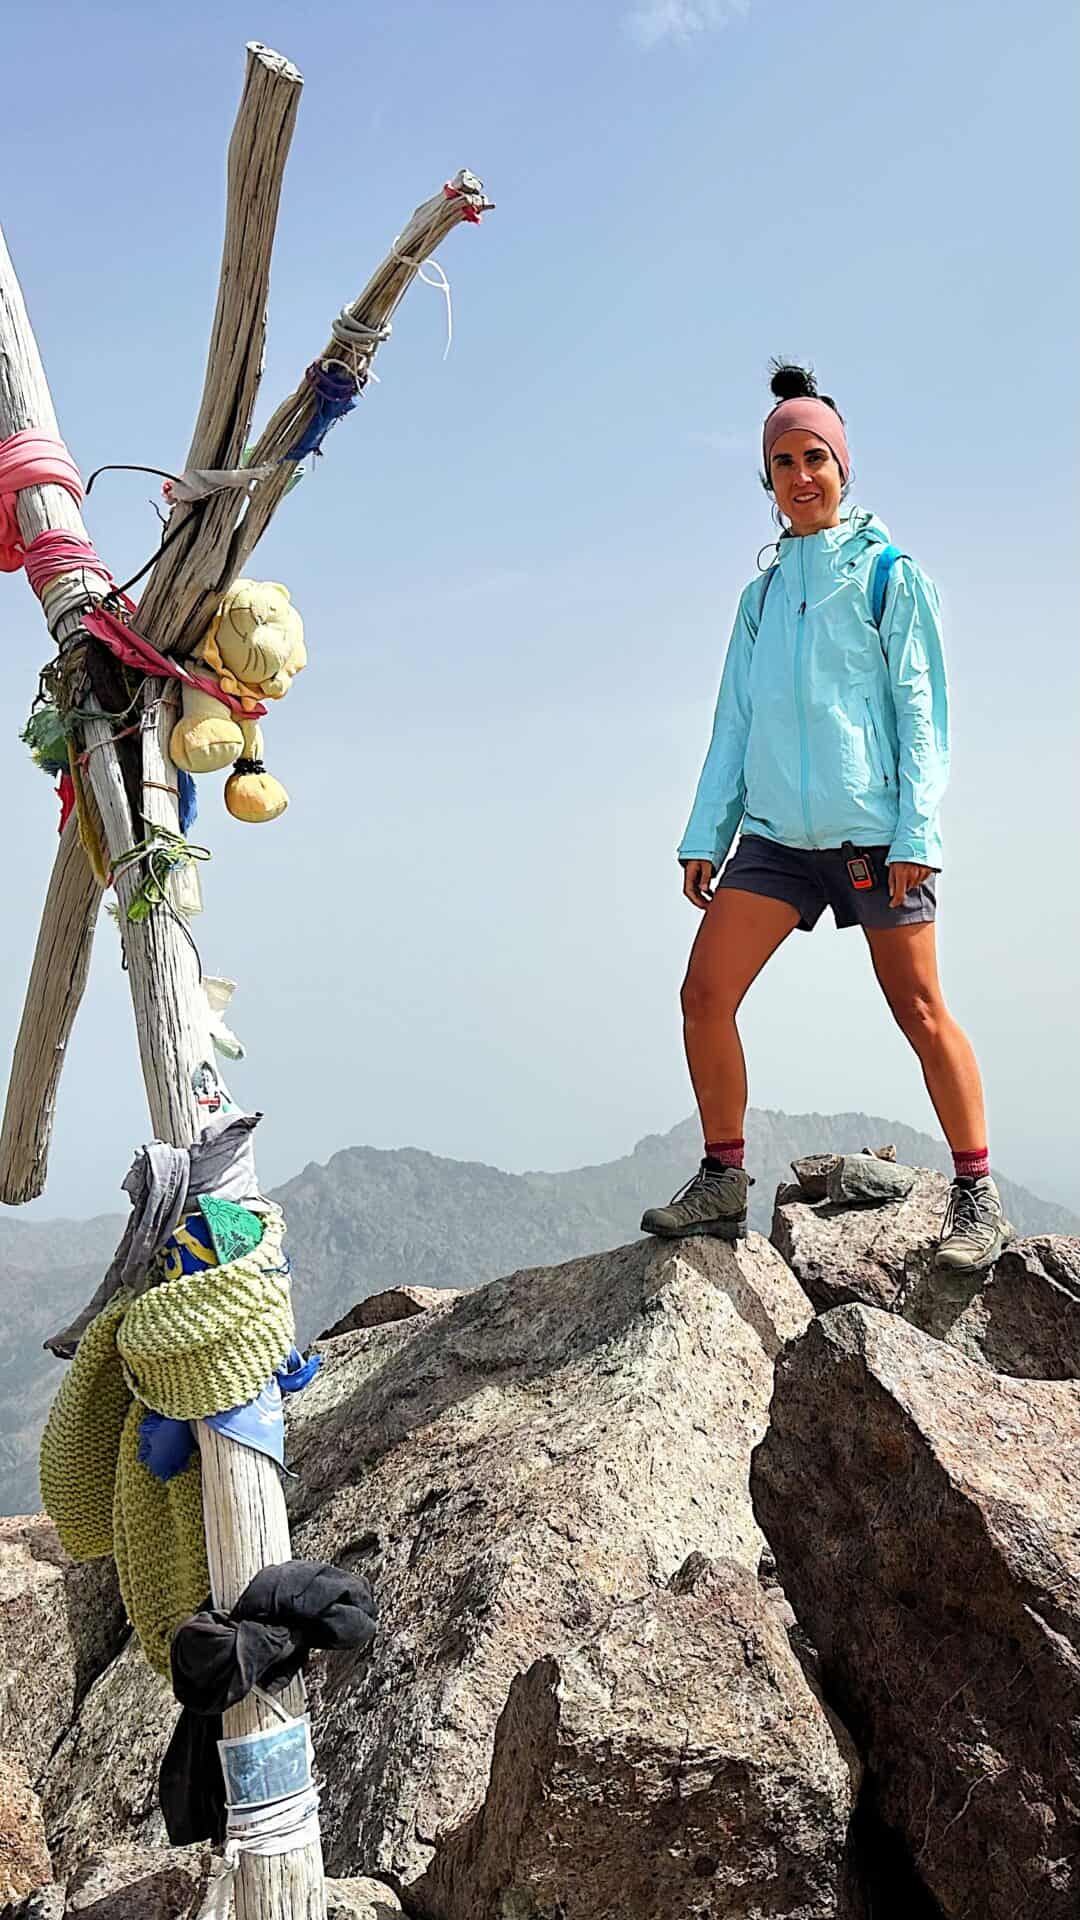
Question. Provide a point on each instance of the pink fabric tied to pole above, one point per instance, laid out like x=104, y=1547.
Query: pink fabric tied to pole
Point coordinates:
x=32, y=459
x=55, y=552
x=134, y=651
x=29, y=459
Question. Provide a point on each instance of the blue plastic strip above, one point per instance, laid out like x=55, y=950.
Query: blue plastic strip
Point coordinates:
x=187, y=799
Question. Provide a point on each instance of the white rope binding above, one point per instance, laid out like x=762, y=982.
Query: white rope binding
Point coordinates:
x=277, y=1826
x=282, y=1826
x=441, y=285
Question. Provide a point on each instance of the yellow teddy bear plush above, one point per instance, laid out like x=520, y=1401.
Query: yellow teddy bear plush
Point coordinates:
x=253, y=649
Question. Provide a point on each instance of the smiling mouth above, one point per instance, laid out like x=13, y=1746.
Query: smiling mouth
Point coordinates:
x=805, y=499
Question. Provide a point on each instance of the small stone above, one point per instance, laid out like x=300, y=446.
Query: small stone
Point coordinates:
x=812, y=1173
x=861, y=1179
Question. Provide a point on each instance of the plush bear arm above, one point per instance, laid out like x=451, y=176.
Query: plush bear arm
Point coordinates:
x=206, y=737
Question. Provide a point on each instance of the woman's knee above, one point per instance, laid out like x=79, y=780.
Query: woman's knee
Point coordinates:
x=921, y=1015
x=706, y=996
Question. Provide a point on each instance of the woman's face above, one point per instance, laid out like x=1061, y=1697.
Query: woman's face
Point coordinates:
x=806, y=481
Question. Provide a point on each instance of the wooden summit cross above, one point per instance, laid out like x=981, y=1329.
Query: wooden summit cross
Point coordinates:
x=208, y=543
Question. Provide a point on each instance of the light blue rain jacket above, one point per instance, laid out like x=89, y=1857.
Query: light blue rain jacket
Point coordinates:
x=826, y=729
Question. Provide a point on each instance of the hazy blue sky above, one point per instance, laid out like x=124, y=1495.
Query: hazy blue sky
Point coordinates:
x=518, y=567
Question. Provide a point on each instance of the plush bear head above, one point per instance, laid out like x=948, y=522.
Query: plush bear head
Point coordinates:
x=256, y=642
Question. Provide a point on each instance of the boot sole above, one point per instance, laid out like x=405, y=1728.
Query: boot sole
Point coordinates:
x=733, y=1229
x=977, y=1266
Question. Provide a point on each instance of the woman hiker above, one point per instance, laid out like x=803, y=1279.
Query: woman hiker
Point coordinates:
x=830, y=750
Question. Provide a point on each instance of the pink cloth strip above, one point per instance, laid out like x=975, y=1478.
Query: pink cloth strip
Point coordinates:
x=134, y=651
x=55, y=552
x=811, y=416
x=29, y=459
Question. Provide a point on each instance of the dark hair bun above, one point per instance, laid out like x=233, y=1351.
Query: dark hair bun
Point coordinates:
x=792, y=383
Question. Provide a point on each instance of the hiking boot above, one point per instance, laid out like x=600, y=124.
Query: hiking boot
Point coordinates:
x=974, y=1230
x=709, y=1203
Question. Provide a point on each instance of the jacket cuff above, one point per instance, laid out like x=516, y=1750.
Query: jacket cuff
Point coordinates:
x=919, y=850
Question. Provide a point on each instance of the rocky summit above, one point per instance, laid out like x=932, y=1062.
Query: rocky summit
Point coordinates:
x=715, y=1583
x=373, y=1221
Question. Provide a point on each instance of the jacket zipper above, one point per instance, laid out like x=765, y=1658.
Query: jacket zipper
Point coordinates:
x=804, y=744
x=879, y=756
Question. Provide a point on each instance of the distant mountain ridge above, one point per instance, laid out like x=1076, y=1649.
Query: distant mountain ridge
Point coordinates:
x=374, y=1218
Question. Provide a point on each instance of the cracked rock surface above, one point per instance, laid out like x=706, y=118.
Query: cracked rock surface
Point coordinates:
x=677, y=1763
x=923, y=1513
x=620, y=1670
x=507, y=1473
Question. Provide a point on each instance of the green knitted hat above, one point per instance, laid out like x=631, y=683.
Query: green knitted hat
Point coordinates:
x=234, y=1230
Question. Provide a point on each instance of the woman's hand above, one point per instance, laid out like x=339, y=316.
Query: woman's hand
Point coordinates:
x=697, y=882
x=904, y=877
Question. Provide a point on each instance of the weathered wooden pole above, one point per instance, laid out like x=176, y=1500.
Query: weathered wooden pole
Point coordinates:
x=243, y=1502
x=53, y=997
x=246, y=1525
x=244, y=1506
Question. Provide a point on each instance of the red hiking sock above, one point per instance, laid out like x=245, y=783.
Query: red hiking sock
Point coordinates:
x=725, y=1153
x=972, y=1166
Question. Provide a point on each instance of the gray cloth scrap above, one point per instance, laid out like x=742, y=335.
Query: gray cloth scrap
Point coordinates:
x=198, y=483
x=162, y=1183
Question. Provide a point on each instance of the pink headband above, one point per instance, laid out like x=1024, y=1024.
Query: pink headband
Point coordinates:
x=812, y=416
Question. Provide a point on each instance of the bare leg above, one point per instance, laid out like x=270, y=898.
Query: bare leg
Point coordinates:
x=739, y=933
x=905, y=962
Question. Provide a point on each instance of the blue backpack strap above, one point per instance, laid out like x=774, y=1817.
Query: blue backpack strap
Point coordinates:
x=879, y=582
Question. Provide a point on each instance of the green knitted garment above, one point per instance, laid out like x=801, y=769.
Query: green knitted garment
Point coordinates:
x=81, y=1442
x=187, y=1348
x=159, y=1544
x=210, y=1340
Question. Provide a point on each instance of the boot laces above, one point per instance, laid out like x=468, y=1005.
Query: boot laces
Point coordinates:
x=698, y=1179
x=969, y=1210
x=704, y=1177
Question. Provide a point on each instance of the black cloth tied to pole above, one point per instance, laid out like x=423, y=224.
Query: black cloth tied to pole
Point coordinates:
x=218, y=1657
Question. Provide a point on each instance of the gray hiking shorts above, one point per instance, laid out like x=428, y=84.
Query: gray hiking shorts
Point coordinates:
x=812, y=879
